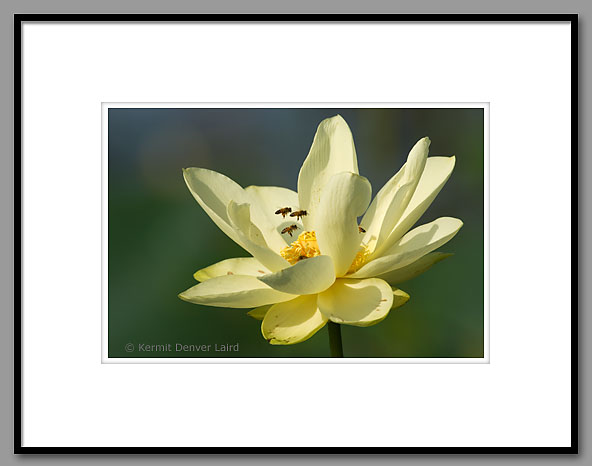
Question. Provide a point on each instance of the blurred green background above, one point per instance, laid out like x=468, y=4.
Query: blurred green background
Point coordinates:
x=159, y=236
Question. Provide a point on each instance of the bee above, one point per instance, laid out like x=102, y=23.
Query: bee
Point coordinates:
x=298, y=214
x=361, y=230
x=302, y=258
x=283, y=211
x=290, y=229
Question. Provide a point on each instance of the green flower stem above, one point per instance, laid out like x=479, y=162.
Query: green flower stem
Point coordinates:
x=335, y=340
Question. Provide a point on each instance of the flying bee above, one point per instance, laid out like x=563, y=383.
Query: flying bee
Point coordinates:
x=298, y=214
x=361, y=230
x=283, y=211
x=290, y=229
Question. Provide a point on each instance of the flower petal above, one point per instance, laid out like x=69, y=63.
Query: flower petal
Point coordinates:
x=236, y=266
x=259, y=312
x=292, y=321
x=390, y=202
x=308, y=276
x=251, y=237
x=414, y=245
x=415, y=268
x=332, y=152
x=399, y=298
x=213, y=191
x=357, y=302
x=268, y=199
x=345, y=197
x=434, y=177
x=239, y=291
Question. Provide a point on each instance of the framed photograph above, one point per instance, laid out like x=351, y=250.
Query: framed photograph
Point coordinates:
x=318, y=222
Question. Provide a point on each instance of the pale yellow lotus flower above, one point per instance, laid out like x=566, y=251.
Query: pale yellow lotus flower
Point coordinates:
x=329, y=268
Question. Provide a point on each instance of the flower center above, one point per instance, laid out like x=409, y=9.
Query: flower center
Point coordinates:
x=307, y=246
x=304, y=247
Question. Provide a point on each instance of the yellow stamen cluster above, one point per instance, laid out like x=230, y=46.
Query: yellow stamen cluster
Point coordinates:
x=306, y=246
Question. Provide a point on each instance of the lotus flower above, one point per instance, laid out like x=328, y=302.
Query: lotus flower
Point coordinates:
x=312, y=263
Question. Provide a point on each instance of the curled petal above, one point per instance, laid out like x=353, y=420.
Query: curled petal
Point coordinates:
x=292, y=321
x=236, y=266
x=309, y=276
x=357, y=302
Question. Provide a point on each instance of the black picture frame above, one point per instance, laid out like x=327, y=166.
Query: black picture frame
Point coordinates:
x=19, y=19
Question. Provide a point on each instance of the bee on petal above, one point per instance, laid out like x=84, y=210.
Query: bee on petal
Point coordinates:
x=361, y=230
x=283, y=211
x=290, y=229
x=298, y=214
